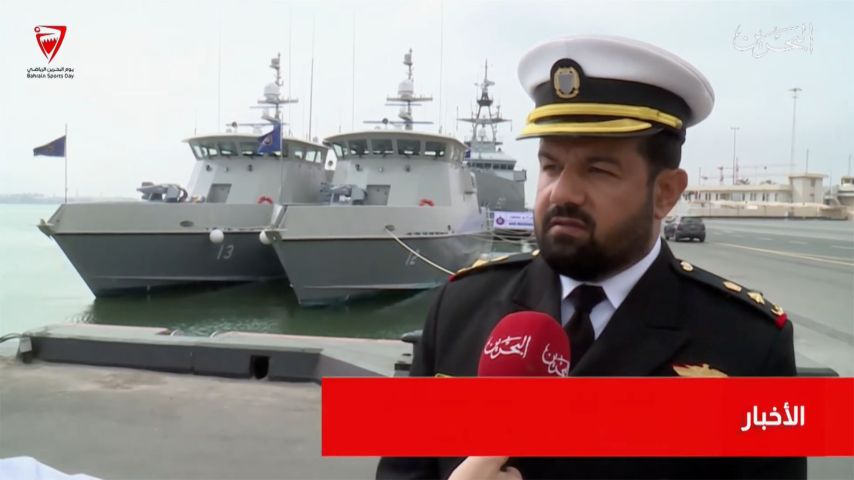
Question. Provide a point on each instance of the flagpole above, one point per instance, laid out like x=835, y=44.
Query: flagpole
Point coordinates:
x=65, y=156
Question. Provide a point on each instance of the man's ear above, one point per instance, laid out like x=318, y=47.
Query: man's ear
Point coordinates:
x=668, y=188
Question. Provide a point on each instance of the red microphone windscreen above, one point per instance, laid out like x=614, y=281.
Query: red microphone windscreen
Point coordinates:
x=525, y=344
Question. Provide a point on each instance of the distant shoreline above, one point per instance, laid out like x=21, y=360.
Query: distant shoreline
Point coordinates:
x=36, y=199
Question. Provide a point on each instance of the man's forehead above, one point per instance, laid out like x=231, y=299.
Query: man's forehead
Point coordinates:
x=560, y=145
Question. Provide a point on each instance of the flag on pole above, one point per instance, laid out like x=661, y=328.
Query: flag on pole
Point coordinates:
x=55, y=148
x=272, y=141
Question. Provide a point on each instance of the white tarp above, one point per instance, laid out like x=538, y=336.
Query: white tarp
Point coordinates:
x=28, y=468
x=513, y=221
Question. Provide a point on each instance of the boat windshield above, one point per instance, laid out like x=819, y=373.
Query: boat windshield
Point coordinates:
x=406, y=147
x=219, y=148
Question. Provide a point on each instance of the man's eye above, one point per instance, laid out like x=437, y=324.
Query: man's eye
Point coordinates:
x=549, y=167
x=600, y=171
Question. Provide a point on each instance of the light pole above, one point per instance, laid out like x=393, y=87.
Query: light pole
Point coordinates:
x=734, y=166
x=794, y=91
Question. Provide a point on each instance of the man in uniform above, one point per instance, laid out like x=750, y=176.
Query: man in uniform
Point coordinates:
x=610, y=114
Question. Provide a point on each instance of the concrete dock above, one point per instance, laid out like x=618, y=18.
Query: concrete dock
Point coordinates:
x=131, y=423
x=115, y=423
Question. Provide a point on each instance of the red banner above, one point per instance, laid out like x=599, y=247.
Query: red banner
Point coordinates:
x=626, y=417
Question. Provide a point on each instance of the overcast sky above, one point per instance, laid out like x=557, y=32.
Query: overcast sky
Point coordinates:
x=148, y=76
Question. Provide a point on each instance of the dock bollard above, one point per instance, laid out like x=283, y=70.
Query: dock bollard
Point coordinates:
x=25, y=349
x=402, y=366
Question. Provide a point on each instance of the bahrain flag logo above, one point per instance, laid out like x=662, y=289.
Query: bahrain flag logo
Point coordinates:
x=49, y=38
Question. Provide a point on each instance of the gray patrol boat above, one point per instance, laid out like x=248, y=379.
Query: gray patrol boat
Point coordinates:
x=402, y=214
x=500, y=186
x=208, y=232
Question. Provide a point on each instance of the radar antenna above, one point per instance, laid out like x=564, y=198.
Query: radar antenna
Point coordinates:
x=405, y=99
x=272, y=99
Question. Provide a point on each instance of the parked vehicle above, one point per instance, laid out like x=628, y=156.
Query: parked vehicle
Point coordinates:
x=678, y=228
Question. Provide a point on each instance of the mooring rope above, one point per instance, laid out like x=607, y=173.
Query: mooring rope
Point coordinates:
x=418, y=255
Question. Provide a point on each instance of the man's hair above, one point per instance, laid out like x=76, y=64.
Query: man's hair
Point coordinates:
x=662, y=150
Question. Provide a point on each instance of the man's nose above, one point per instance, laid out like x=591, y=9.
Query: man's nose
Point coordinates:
x=569, y=189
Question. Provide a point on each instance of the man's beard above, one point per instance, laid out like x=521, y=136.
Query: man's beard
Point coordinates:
x=593, y=258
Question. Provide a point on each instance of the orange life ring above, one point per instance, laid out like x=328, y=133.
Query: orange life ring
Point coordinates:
x=265, y=199
x=426, y=201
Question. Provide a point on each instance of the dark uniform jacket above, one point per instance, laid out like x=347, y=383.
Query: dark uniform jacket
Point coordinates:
x=676, y=314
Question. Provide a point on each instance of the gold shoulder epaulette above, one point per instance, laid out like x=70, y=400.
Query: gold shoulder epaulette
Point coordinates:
x=481, y=265
x=747, y=295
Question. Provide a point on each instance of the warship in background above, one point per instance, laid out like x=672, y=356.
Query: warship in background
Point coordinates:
x=208, y=232
x=402, y=213
x=500, y=186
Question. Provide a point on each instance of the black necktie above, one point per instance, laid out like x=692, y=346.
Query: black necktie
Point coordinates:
x=579, y=328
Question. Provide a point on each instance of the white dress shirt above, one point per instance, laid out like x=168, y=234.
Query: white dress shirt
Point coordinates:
x=616, y=289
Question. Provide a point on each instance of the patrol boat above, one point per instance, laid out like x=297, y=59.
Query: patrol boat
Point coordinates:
x=207, y=232
x=499, y=185
x=402, y=213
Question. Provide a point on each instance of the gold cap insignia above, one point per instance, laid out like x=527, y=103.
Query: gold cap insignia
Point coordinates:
x=686, y=266
x=756, y=297
x=566, y=82
x=776, y=310
x=697, y=371
x=732, y=286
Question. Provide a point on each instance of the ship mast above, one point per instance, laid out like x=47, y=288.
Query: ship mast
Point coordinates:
x=484, y=117
x=273, y=94
x=272, y=98
x=405, y=99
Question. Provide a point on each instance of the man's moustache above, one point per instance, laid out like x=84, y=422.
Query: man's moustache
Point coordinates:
x=570, y=213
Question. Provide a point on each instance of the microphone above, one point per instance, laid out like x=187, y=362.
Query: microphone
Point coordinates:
x=525, y=344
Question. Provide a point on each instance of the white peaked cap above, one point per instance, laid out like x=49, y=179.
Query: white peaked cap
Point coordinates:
x=607, y=85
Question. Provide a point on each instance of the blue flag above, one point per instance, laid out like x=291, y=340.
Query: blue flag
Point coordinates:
x=55, y=148
x=272, y=141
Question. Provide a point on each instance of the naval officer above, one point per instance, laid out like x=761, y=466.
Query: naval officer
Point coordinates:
x=610, y=115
